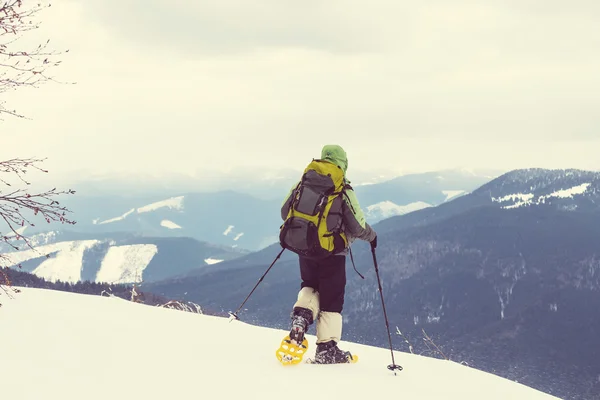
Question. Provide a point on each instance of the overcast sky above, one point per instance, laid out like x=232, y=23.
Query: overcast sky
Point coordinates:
x=184, y=86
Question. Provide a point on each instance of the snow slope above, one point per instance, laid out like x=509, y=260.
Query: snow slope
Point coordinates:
x=73, y=346
x=126, y=264
x=175, y=203
x=67, y=259
x=66, y=265
x=120, y=218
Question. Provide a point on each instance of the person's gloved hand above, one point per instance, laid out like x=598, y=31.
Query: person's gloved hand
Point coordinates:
x=374, y=243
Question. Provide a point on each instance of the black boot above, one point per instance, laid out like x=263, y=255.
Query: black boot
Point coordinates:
x=301, y=319
x=329, y=353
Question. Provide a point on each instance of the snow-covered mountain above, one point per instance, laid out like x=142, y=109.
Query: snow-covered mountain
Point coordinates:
x=131, y=350
x=412, y=192
x=387, y=209
x=71, y=257
x=239, y=219
x=563, y=189
x=146, y=238
x=231, y=219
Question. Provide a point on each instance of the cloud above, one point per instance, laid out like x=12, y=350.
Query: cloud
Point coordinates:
x=184, y=86
x=456, y=28
x=221, y=27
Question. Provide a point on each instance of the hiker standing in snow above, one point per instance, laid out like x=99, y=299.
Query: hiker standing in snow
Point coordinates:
x=323, y=217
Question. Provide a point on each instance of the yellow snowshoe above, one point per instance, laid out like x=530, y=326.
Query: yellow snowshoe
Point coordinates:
x=289, y=352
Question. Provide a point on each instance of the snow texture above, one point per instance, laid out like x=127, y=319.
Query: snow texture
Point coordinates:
x=239, y=235
x=169, y=224
x=122, y=217
x=229, y=228
x=42, y=238
x=211, y=261
x=173, y=203
x=126, y=264
x=386, y=209
x=65, y=261
x=66, y=266
x=121, y=264
x=525, y=199
x=567, y=193
x=89, y=340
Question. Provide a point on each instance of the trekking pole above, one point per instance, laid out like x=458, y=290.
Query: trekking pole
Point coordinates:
x=234, y=315
x=393, y=365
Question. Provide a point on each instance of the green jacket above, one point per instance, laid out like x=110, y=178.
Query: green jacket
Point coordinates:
x=355, y=224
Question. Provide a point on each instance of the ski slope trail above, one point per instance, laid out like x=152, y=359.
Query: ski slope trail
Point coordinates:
x=59, y=345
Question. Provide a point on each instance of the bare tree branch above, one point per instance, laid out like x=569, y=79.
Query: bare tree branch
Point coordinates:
x=410, y=346
x=428, y=341
x=18, y=207
x=6, y=286
x=181, y=306
x=22, y=67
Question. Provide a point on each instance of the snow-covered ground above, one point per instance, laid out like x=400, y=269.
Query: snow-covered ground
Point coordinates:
x=70, y=346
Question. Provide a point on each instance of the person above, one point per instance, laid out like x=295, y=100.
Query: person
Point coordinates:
x=323, y=282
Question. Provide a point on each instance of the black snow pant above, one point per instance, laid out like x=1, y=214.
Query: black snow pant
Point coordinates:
x=328, y=277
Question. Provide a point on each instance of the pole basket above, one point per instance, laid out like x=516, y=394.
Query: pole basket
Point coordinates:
x=393, y=367
x=233, y=316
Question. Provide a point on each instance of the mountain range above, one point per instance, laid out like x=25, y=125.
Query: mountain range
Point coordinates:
x=162, y=233
x=113, y=258
x=505, y=278
x=247, y=220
